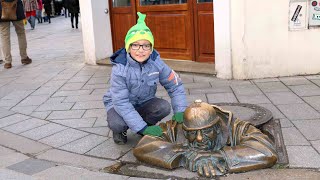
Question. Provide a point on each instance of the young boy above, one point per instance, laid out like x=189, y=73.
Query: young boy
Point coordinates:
x=136, y=72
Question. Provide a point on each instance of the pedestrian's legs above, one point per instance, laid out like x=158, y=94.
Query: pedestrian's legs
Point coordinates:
x=116, y=122
x=32, y=21
x=72, y=16
x=65, y=12
x=77, y=18
x=22, y=40
x=48, y=17
x=5, y=41
x=154, y=110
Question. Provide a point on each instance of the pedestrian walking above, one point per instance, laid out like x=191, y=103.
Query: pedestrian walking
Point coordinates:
x=39, y=10
x=48, y=8
x=30, y=7
x=18, y=24
x=74, y=9
x=65, y=6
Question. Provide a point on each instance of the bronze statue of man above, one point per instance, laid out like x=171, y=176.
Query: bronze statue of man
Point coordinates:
x=209, y=141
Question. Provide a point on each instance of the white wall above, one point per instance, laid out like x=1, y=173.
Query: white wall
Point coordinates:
x=96, y=31
x=262, y=46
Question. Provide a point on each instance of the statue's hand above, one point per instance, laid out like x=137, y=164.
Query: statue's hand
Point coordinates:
x=207, y=164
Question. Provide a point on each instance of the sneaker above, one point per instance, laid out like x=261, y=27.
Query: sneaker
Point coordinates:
x=120, y=138
x=7, y=65
x=26, y=61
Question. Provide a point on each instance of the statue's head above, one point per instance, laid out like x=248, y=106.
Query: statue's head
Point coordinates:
x=200, y=125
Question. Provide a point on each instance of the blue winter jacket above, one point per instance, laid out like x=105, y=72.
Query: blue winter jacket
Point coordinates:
x=133, y=83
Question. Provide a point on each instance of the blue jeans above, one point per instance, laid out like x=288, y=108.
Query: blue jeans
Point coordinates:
x=151, y=112
x=32, y=21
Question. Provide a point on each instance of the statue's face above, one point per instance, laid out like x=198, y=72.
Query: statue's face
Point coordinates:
x=203, y=139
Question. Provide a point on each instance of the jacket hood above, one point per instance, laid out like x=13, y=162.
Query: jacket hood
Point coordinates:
x=120, y=56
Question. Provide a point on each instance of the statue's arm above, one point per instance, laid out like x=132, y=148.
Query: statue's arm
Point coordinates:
x=254, y=150
x=158, y=152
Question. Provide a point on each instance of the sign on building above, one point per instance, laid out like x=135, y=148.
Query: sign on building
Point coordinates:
x=298, y=15
x=314, y=13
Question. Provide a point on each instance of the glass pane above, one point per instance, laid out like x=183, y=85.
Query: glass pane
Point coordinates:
x=159, y=2
x=120, y=3
x=201, y=1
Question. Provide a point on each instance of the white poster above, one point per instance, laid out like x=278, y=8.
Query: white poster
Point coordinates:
x=297, y=15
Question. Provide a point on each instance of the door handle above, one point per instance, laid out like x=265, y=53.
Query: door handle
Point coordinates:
x=106, y=11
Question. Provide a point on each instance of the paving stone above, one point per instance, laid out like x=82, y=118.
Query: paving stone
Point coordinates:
x=179, y=172
x=303, y=157
x=9, y=157
x=99, y=92
x=88, y=105
x=25, y=125
x=187, y=79
x=67, y=172
x=5, y=112
x=316, y=145
x=317, y=82
x=27, y=110
x=203, y=78
x=101, y=121
x=43, y=131
x=71, y=114
x=312, y=77
x=72, y=86
x=63, y=137
x=40, y=115
x=18, y=95
x=55, y=83
x=79, y=79
x=63, y=76
x=31, y=166
x=96, y=86
x=110, y=150
x=72, y=93
x=84, y=144
x=74, y=159
x=284, y=98
x=193, y=97
x=222, y=98
x=297, y=80
x=129, y=158
x=253, y=99
x=102, y=131
x=83, y=98
x=46, y=90
x=164, y=93
x=274, y=110
x=76, y=123
x=100, y=80
x=95, y=113
x=33, y=100
x=298, y=111
x=313, y=101
x=292, y=136
x=211, y=90
x=15, y=118
x=264, y=80
x=272, y=87
x=8, y=102
x=309, y=128
x=21, y=144
x=54, y=106
x=306, y=90
x=246, y=90
x=196, y=85
x=286, y=123
x=9, y=174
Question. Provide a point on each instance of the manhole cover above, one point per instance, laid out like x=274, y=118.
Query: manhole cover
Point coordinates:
x=252, y=113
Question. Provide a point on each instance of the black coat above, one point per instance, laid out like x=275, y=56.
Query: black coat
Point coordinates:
x=47, y=6
x=20, y=10
x=73, y=6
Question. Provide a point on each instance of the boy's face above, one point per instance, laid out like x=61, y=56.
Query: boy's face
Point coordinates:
x=140, y=50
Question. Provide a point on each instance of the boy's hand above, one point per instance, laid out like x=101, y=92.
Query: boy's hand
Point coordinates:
x=153, y=131
x=178, y=117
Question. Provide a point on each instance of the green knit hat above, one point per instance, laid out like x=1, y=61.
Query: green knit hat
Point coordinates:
x=138, y=32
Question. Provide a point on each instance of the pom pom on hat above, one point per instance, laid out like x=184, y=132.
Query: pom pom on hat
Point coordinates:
x=138, y=32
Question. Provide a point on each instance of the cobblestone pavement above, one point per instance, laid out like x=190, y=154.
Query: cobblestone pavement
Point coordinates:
x=53, y=123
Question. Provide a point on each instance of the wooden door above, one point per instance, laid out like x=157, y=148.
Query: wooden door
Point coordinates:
x=123, y=17
x=204, y=30
x=171, y=24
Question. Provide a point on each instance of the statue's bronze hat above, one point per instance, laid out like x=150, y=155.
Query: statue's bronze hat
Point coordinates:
x=199, y=115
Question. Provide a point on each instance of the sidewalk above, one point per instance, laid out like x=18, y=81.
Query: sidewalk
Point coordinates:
x=53, y=122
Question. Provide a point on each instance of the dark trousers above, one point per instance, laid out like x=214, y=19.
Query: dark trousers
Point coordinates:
x=151, y=112
x=76, y=16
